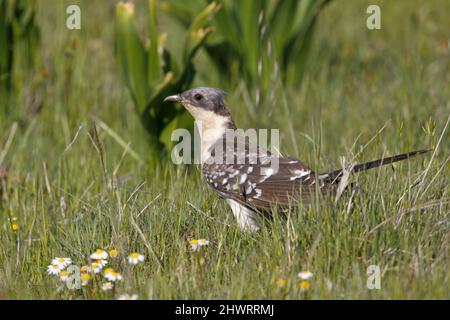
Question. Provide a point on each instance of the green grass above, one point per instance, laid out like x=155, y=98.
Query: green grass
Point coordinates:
x=357, y=82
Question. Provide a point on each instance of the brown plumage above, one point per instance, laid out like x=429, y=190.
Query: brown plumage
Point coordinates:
x=253, y=184
x=250, y=178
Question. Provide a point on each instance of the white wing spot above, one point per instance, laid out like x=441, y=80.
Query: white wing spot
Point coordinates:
x=234, y=174
x=323, y=176
x=299, y=174
x=267, y=171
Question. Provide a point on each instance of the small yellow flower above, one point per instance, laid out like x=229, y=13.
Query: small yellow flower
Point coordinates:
x=126, y=296
x=304, y=285
x=64, y=275
x=54, y=269
x=113, y=276
x=85, y=269
x=113, y=253
x=107, y=286
x=135, y=258
x=14, y=227
x=62, y=262
x=305, y=275
x=202, y=242
x=108, y=270
x=101, y=262
x=281, y=282
x=196, y=244
x=85, y=277
x=99, y=254
x=96, y=267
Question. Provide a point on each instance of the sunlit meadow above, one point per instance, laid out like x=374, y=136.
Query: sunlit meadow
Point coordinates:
x=82, y=191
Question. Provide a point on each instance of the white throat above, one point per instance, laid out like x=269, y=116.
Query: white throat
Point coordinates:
x=211, y=127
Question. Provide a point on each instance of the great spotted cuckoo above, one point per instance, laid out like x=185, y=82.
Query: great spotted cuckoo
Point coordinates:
x=244, y=173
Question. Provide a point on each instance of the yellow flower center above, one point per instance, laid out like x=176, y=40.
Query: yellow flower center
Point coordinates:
x=281, y=282
x=55, y=267
x=109, y=270
x=304, y=284
x=99, y=251
x=61, y=260
x=84, y=269
x=85, y=277
x=64, y=273
x=193, y=241
x=134, y=255
x=113, y=252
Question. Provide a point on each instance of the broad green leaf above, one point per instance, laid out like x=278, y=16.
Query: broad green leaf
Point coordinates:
x=197, y=32
x=228, y=26
x=204, y=16
x=184, y=120
x=281, y=23
x=249, y=12
x=5, y=42
x=153, y=55
x=131, y=55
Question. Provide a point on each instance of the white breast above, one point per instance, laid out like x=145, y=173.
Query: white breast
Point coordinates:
x=211, y=127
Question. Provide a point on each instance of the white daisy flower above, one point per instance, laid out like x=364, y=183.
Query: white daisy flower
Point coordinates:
x=107, y=271
x=99, y=254
x=96, y=267
x=54, y=269
x=113, y=253
x=101, y=262
x=135, y=258
x=305, y=275
x=126, y=296
x=62, y=262
x=85, y=279
x=113, y=276
x=196, y=244
x=85, y=269
x=202, y=242
x=64, y=275
x=107, y=286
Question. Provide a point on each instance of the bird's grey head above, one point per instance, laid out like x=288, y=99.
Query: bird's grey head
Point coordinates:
x=203, y=98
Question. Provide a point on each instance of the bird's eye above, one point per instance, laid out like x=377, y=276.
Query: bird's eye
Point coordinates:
x=198, y=97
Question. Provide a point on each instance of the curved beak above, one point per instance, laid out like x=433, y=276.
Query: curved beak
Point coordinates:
x=175, y=98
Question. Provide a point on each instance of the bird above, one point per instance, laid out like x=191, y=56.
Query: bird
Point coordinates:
x=244, y=174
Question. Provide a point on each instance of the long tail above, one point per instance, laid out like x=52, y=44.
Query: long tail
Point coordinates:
x=335, y=175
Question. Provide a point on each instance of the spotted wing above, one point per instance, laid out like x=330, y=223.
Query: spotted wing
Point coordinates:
x=258, y=183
